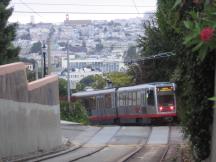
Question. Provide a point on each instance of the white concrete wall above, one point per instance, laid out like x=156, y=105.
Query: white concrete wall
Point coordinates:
x=28, y=127
x=29, y=112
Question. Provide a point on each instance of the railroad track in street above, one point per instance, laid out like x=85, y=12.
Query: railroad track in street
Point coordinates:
x=120, y=144
x=158, y=153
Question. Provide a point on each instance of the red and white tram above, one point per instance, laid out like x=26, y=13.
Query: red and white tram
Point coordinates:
x=134, y=104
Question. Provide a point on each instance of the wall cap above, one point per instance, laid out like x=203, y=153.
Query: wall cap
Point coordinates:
x=42, y=82
x=10, y=68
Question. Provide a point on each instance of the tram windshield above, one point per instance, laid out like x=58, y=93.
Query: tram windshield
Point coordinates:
x=166, y=100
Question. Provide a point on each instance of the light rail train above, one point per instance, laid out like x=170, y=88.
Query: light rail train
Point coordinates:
x=133, y=104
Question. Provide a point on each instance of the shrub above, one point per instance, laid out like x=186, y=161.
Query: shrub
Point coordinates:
x=74, y=112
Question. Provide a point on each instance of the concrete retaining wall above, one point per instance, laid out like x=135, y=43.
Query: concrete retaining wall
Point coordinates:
x=29, y=112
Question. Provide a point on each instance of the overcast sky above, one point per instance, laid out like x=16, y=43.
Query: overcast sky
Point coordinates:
x=73, y=7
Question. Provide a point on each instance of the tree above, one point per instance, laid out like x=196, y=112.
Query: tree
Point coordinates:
x=94, y=81
x=194, y=79
x=36, y=47
x=131, y=54
x=120, y=79
x=160, y=36
x=74, y=112
x=8, y=53
x=62, y=87
x=99, y=82
x=87, y=81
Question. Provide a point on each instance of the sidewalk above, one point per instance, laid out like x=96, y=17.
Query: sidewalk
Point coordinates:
x=64, y=122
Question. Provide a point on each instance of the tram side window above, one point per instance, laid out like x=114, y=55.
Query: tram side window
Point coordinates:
x=134, y=98
x=102, y=102
x=124, y=97
x=108, y=101
x=92, y=103
x=113, y=100
x=130, y=99
x=150, y=99
x=138, y=98
x=121, y=99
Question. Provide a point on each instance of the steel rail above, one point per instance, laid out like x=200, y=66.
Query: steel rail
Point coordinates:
x=128, y=156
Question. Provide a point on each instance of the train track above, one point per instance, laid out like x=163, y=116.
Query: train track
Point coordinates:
x=109, y=152
x=166, y=150
x=141, y=154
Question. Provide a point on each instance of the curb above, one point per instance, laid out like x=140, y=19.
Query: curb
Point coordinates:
x=47, y=155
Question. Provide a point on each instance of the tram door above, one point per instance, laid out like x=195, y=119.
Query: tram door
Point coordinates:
x=150, y=101
x=143, y=101
x=100, y=105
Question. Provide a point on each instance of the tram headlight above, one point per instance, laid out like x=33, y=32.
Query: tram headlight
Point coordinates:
x=172, y=108
x=161, y=108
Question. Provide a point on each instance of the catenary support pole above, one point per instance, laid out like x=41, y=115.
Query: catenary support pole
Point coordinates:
x=44, y=61
x=49, y=55
x=36, y=70
x=68, y=74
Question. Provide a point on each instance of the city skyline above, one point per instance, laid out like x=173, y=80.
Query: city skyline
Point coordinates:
x=54, y=12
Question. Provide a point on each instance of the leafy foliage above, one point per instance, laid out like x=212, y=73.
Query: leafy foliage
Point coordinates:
x=196, y=25
x=195, y=81
x=120, y=79
x=99, y=82
x=31, y=75
x=8, y=53
x=62, y=87
x=131, y=54
x=194, y=78
x=94, y=81
x=71, y=111
x=36, y=47
x=160, y=36
x=74, y=112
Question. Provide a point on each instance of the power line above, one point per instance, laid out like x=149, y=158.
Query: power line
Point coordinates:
x=153, y=57
x=78, y=4
x=84, y=13
x=135, y=6
x=25, y=4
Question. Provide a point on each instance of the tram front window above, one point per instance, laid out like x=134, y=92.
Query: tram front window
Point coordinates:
x=166, y=100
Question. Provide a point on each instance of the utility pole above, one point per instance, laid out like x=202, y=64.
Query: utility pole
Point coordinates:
x=42, y=64
x=49, y=55
x=36, y=70
x=68, y=73
x=44, y=58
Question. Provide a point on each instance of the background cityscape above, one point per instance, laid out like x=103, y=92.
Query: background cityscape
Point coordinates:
x=94, y=47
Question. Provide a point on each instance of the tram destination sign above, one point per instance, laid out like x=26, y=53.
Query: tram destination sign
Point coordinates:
x=165, y=89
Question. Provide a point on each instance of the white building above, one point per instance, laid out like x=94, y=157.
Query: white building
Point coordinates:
x=77, y=75
x=103, y=65
x=29, y=66
x=39, y=33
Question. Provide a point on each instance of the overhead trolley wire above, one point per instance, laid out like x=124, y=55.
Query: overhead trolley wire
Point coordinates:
x=32, y=10
x=153, y=57
x=78, y=4
x=135, y=6
x=97, y=13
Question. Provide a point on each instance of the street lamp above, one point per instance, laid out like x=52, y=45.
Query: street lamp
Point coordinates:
x=44, y=59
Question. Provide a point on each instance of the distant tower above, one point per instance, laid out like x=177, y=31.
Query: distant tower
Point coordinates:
x=67, y=17
x=32, y=20
x=66, y=22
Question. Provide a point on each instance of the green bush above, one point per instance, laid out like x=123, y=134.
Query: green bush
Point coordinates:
x=191, y=69
x=74, y=112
